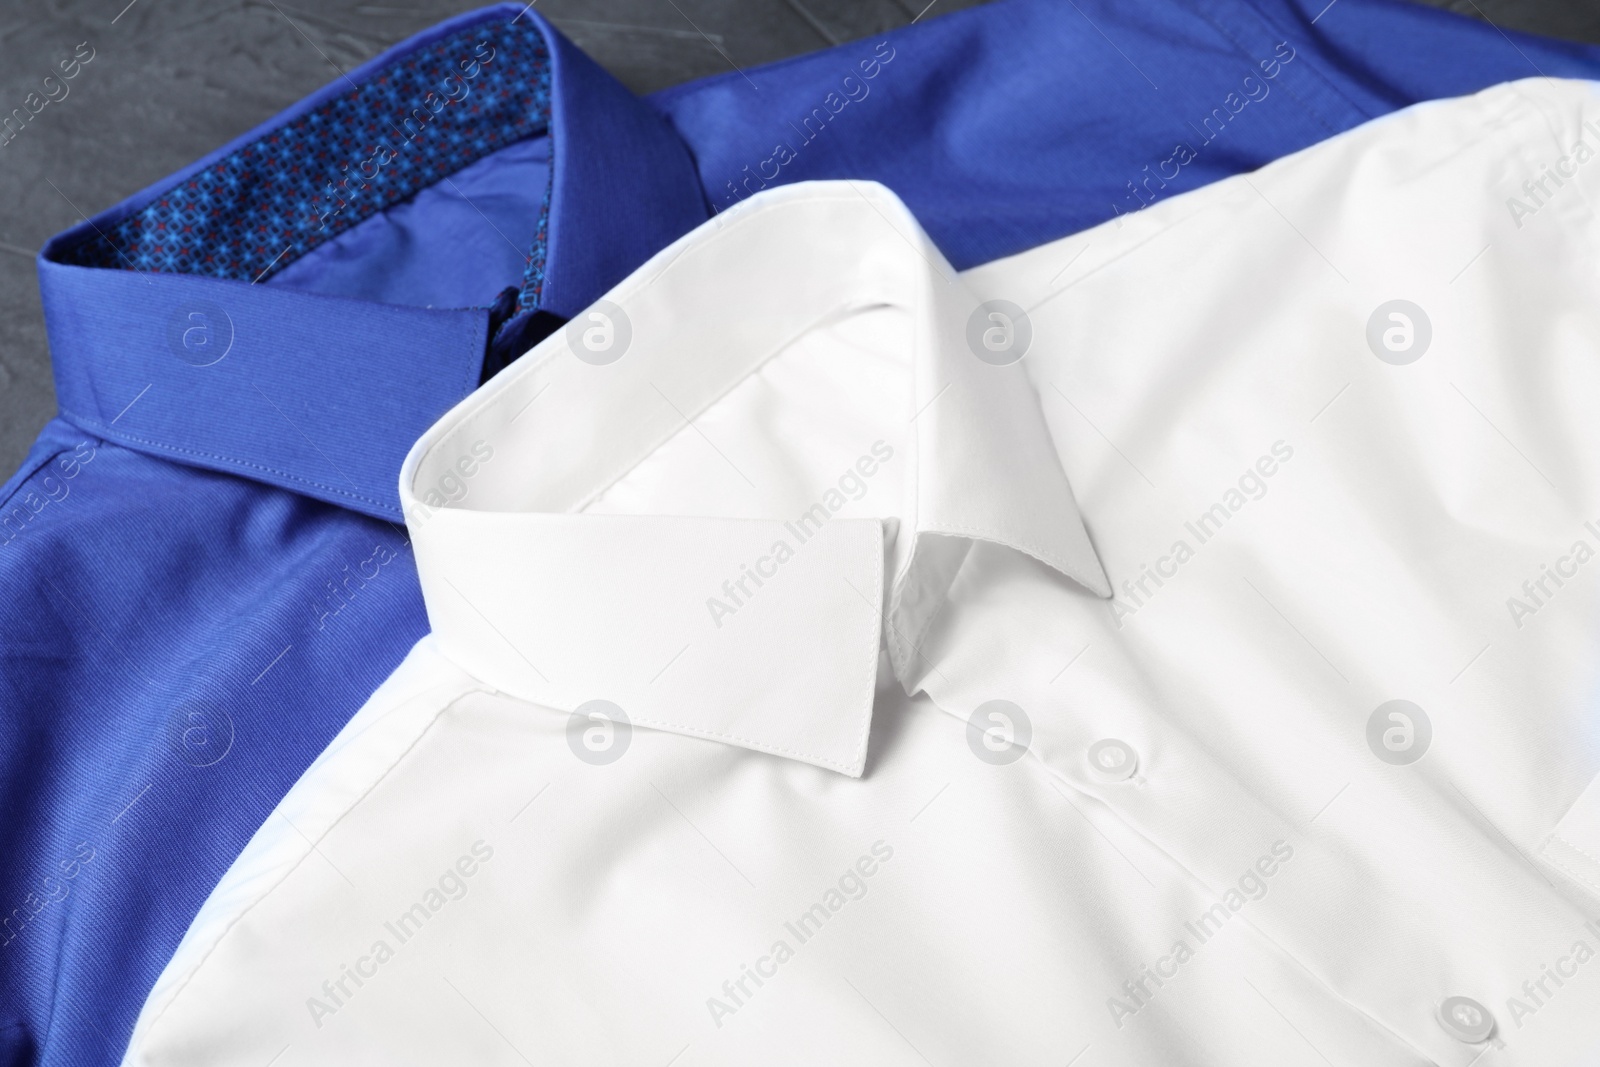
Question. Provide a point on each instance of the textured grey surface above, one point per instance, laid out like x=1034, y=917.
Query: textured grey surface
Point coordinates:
x=1576, y=20
x=172, y=79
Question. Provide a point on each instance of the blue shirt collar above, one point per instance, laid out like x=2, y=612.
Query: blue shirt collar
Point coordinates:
x=168, y=336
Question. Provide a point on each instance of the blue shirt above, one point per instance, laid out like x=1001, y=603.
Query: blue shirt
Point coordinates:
x=1011, y=125
x=201, y=558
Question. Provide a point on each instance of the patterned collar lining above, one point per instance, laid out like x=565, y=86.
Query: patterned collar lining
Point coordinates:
x=154, y=298
x=439, y=109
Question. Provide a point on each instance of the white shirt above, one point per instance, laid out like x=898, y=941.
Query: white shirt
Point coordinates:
x=1316, y=787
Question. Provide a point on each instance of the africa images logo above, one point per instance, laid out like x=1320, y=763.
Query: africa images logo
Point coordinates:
x=1399, y=332
x=999, y=332
x=599, y=732
x=850, y=885
x=1137, y=992
x=737, y=591
x=998, y=732
x=1541, y=190
x=1399, y=732
x=452, y=884
x=601, y=334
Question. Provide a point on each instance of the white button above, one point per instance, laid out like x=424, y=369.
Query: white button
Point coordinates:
x=1465, y=1019
x=1113, y=760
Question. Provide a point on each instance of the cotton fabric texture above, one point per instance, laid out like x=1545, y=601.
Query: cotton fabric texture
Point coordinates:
x=204, y=558
x=1315, y=784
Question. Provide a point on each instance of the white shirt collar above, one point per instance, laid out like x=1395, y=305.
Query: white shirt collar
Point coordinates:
x=558, y=607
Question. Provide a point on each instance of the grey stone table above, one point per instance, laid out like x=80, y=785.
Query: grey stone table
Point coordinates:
x=173, y=79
